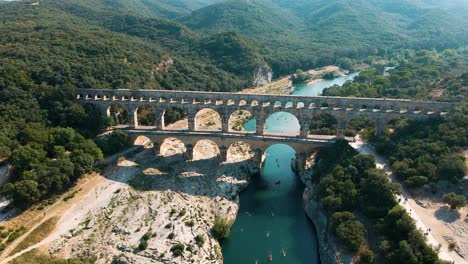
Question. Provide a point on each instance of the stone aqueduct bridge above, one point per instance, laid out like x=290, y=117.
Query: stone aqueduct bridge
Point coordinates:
x=261, y=106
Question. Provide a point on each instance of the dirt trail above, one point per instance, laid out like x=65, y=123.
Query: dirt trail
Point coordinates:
x=426, y=218
x=58, y=208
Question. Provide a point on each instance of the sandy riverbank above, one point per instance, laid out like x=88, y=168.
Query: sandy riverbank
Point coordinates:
x=284, y=85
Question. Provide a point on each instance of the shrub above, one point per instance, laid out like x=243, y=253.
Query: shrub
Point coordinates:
x=143, y=245
x=171, y=236
x=200, y=240
x=178, y=249
x=221, y=229
x=190, y=223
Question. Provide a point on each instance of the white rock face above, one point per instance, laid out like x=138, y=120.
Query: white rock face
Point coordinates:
x=263, y=75
x=169, y=204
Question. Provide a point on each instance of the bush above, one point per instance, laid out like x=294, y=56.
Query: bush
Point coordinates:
x=178, y=250
x=200, y=240
x=143, y=245
x=190, y=223
x=221, y=229
x=171, y=236
x=455, y=201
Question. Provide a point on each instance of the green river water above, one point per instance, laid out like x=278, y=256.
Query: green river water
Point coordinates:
x=271, y=216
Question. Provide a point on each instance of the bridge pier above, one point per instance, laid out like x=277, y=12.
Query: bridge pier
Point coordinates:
x=260, y=126
x=156, y=148
x=341, y=128
x=225, y=123
x=189, y=152
x=159, y=120
x=304, y=128
x=132, y=117
x=223, y=153
x=191, y=122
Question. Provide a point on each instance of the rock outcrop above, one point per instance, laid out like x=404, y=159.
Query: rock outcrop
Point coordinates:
x=263, y=75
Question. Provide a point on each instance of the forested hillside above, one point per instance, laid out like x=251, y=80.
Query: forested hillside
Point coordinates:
x=320, y=31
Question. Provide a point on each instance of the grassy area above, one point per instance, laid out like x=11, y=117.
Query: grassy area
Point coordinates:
x=37, y=235
x=34, y=257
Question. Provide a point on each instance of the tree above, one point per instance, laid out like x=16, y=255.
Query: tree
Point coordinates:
x=455, y=201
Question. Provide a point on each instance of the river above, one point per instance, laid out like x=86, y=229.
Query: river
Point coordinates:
x=271, y=217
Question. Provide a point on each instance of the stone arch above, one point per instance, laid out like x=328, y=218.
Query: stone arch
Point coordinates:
x=208, y=119
x=205, y=149
x=323, y=124
x=278, y=104
x=174, y=118
x=119, y=114
x=282, y=124
x=143, y=141
x=300, y=105
x=172, y=147
x=254, y=103
x=289, y=105
x=231, y=102
x=146, y=116
x=312, y=106
x=361, y=123
x=238, y=119
x=239, y=151
x=242, y=102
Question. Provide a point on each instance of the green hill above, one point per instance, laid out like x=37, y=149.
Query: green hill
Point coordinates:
x=58, y=43
x=305, y=33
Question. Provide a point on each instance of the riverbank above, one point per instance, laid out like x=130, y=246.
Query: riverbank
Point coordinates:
x=284, y=85
x=141, y=210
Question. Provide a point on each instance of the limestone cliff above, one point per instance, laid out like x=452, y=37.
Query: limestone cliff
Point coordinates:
x=262, y=75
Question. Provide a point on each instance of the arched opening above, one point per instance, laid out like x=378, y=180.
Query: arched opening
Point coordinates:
x=117, y=115
x=239, y=151
x=146, y=116
x=231, y=102
x=362, y=125
x=242, y=102
x=238, y=121
x=254, y=103
x=277, y=165
x=282, y=124
x=323, y=124
x=300, y=105
x=143, y=141
x=289, y=105
x=277, y=104
x=205, y=149
x=172, y=147
x=208, y=119
x=174, y=118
